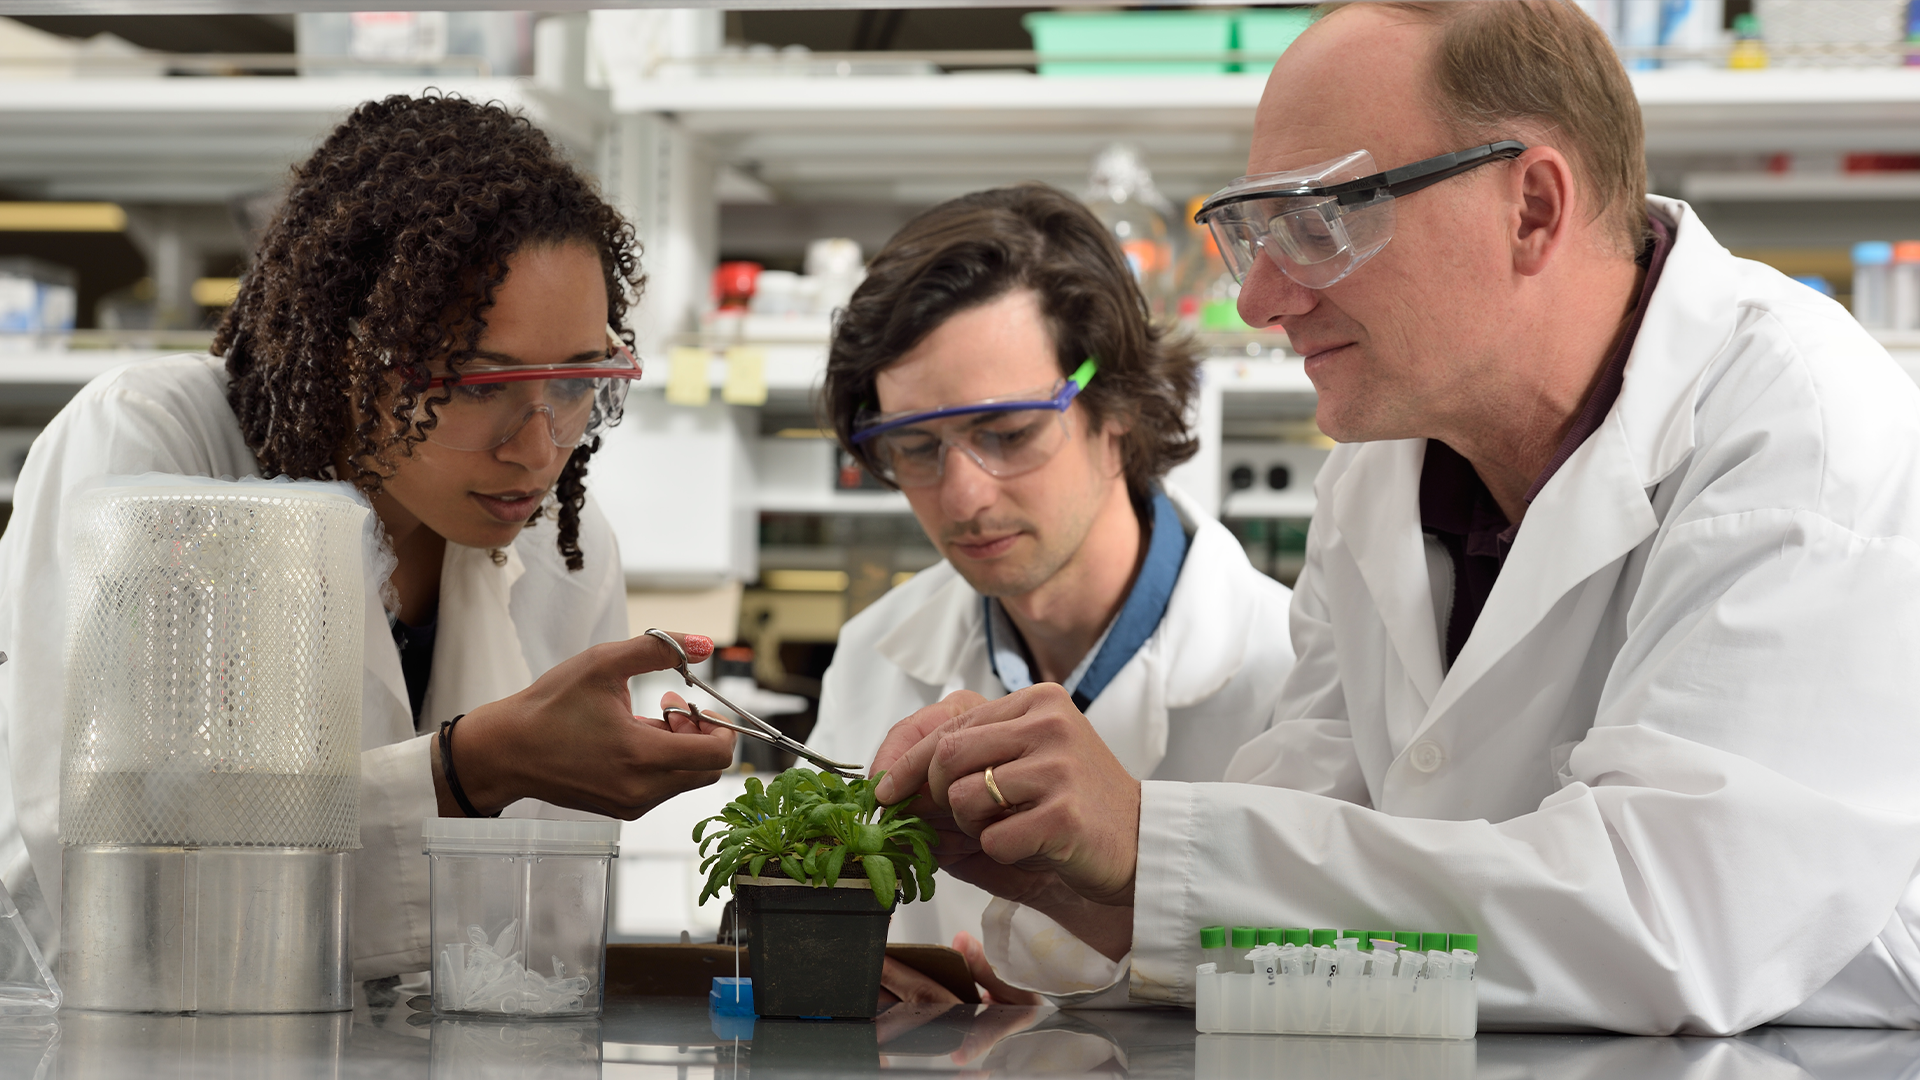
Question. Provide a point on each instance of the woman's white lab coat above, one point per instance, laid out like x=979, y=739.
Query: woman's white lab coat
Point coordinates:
x=1205, y=682
x=499, y=628
x=1670, y=779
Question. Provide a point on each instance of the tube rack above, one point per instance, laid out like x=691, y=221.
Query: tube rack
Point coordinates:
x=1427, y=1005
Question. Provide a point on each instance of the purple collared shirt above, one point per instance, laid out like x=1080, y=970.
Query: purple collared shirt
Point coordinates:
x=1457, y=509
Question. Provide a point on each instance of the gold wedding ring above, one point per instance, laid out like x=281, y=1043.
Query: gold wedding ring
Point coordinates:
x=993, y=789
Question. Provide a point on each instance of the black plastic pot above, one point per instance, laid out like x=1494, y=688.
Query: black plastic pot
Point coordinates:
x=815, y=952
x=782, y=1048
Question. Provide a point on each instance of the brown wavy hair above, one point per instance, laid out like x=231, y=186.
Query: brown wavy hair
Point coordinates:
x=386, y=254
x=977, y=248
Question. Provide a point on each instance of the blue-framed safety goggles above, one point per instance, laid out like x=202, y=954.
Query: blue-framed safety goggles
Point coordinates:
x=1006, y=436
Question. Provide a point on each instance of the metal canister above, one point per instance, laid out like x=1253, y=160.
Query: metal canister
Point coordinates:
x=209, y=800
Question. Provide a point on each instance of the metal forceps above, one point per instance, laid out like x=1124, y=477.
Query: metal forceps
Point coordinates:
x=761, y=730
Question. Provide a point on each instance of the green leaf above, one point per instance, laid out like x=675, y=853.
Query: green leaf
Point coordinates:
x=810, y=824
x=881, y=876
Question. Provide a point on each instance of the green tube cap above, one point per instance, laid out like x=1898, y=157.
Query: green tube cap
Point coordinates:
x=1356, y=935
x=1244, y=937
x=1431, y=942
x=1469, y=942
x=1297, y=935
x=1213, y=937
x=1324, y=937
x=1272, y=935
x=1408, y=939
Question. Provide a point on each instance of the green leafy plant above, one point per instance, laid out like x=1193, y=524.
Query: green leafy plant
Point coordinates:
x=815, y=826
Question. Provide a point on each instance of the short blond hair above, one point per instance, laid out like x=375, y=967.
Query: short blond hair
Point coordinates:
x=1548, y=63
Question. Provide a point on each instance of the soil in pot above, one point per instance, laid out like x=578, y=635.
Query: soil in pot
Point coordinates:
x=816, y=952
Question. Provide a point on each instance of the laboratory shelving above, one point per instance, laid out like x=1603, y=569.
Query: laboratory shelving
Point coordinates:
x=206, y=140
x=669, y=147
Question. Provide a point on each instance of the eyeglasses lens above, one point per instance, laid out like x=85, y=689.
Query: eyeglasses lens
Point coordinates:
x=1002, y=445
x=481, y=416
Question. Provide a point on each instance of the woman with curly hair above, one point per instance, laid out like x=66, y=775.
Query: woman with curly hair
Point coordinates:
x=436, y=315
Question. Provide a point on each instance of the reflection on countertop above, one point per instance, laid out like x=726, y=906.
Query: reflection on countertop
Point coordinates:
x=676, y=1039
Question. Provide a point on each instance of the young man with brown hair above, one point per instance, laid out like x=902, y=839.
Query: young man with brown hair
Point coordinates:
x=999, y=367
x=1607, y=629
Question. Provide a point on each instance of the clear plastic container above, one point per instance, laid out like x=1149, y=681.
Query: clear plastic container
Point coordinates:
x=1903, y=288
x=1425, y=989
x=1872, y=284
x=519, y=915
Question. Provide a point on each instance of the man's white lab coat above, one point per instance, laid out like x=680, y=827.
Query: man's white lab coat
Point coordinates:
x=1204, y=683
x=499, y=628
x=1670, y=780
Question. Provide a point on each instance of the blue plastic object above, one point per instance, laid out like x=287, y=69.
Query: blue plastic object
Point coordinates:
x=731, y=997
x=729, y=1028
x=1872, y=253
x=1815, y=282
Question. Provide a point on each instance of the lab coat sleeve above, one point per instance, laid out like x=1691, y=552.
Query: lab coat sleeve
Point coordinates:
x=1031, y=952
x=390, y=908
x=1309, y=746
x=1731, y=833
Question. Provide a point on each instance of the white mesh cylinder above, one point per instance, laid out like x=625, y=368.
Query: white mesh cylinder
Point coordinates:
x=214, y=654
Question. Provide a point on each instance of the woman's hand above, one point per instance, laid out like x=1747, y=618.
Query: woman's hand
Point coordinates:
x=571, y=739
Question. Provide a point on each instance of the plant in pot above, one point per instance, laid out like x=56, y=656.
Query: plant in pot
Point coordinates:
x=816, y=942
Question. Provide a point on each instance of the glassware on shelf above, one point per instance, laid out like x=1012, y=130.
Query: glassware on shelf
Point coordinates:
x=1122, y=195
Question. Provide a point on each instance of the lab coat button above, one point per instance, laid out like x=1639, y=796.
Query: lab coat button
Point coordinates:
x=1426, y=756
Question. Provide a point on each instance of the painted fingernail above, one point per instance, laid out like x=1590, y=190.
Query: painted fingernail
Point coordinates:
x=698, y=644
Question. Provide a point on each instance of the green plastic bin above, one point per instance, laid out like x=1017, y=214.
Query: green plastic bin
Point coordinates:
x=1058, y=36
x=1265, y=33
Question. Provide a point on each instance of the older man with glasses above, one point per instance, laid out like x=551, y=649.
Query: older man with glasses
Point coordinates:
x=998, y=367
x=1608, y=625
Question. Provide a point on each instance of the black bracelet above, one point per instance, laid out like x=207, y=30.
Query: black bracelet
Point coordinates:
x=453, y=778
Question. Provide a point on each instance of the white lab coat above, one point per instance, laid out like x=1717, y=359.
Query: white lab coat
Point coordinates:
x=499, y=628
x=1205, y=682
x=1670, y=780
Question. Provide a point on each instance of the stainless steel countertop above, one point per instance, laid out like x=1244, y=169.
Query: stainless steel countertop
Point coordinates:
x=675, y=1039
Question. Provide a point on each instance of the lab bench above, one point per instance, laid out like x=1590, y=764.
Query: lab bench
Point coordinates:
x=646, y=1037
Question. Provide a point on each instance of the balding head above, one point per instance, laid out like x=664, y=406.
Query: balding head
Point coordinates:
x=1317, y=106
x=1539, y=71
x=1502, y=282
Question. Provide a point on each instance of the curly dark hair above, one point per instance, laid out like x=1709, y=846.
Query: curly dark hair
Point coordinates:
x=386, y=254
x=974, y=249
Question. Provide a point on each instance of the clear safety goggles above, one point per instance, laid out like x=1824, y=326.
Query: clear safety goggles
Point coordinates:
x=1318, y=224
x=488, y=404
x=1004, y=436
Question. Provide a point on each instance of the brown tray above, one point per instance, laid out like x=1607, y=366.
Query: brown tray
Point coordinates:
x=670, y=970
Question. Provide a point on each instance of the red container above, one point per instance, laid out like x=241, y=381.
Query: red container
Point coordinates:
x=733, y=284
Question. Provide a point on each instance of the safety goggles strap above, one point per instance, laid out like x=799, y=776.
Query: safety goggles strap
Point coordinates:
x=619, y=364
x=1069, y=390
x=1402, y=181
x=1419, y=175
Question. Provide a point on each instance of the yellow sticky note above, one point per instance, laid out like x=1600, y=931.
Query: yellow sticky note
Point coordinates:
x=687, y=376
x=746, y=382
